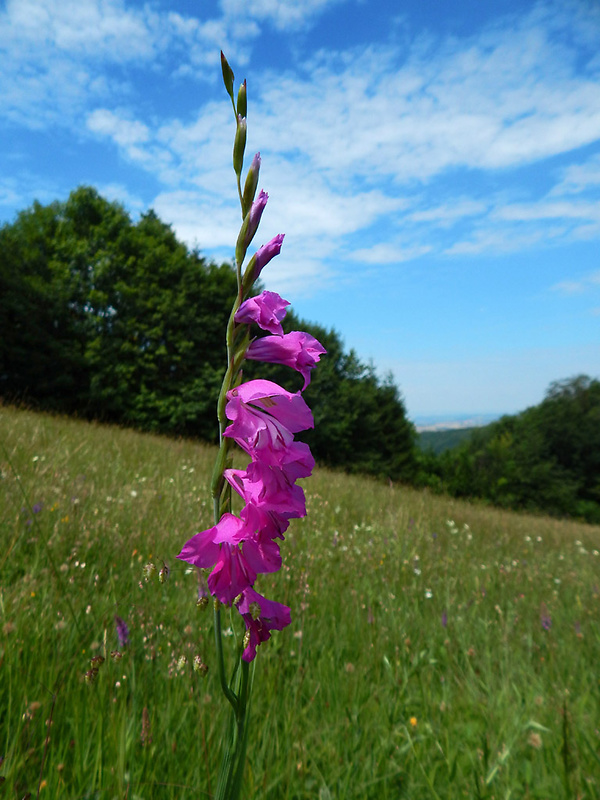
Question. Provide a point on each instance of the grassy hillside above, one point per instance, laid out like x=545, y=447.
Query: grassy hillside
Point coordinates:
x=437, y=649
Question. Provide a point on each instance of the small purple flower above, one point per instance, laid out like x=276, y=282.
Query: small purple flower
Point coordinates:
x=37, y=507
x=545, y=618
x=444, y=618
x=122, y=631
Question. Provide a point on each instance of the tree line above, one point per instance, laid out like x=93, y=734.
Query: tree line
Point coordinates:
x=118, y=321
x=547, y=458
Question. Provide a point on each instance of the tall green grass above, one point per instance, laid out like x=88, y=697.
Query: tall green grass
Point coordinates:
x=437, y=649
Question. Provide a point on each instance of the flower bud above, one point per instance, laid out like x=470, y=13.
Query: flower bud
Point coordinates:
x=260, y=260
x=149, y=571
x=181, y=662
x=97, y=661
x=250, y=226
x=202, y=603
x=239, y=145
x=163, y=575
x=200, y=667
x=116, y=655
x=242, y=101
x=251, y=184
x=228, y=77
x=91, y=675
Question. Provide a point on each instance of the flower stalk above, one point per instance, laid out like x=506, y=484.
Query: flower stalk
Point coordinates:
x=261, y=417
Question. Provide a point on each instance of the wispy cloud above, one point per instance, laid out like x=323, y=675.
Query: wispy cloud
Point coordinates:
x=587, y=283
x=376, y=150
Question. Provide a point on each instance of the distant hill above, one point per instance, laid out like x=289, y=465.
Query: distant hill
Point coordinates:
x=439, y=441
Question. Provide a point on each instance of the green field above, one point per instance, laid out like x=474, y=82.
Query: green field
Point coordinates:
x=437, y=649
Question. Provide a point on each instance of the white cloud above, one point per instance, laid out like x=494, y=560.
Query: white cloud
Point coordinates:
x=285, y=15
x=355, y=143
x=389, y=253
x=524, y=212
x=449, y=213
x=586, y=283
x=125, y=132
x=579, y=177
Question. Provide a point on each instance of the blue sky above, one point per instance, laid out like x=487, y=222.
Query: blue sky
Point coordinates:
x=435, y=166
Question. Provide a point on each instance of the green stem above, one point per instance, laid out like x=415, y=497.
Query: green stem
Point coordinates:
x=229, y=694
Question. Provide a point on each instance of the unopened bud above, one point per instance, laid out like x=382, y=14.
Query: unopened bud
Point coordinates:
x=200, y=667
x=116, y=655
x=149, y=571
x=91, y=675
x=242, y=101
x=239, y=145
x=163, y=575
x=251, y=184
x=181, y=662
x=227, y=75
x=250, y=226
x=202, y=603
x=97, y=661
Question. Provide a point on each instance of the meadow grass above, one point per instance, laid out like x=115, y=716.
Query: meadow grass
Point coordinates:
x=437, y=649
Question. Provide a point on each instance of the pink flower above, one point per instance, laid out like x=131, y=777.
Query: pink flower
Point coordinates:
x=263, y=485
x=270, y=523
x=264, y=254
x=261, y=617
x=264, y=418
x=298, y=350
x=267, y=310
x=233, y=569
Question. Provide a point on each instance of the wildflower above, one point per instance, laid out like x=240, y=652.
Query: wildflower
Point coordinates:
x=163, y=573
x=91, y=675
x=200, y=667
x=122, y=631
x=272, y=616
x=116, y=656
x=413, y=722
x=97, y=661
x=263, y=485
x=545, y=618
x=233, y=570
x=264, y=417
x=297, y=350
x=149, y=571
x=267, y=310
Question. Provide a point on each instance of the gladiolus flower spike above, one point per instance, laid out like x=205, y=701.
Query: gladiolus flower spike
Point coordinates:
x=261, y=418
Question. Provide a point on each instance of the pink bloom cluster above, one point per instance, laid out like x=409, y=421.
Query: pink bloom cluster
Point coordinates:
x=263, y=420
